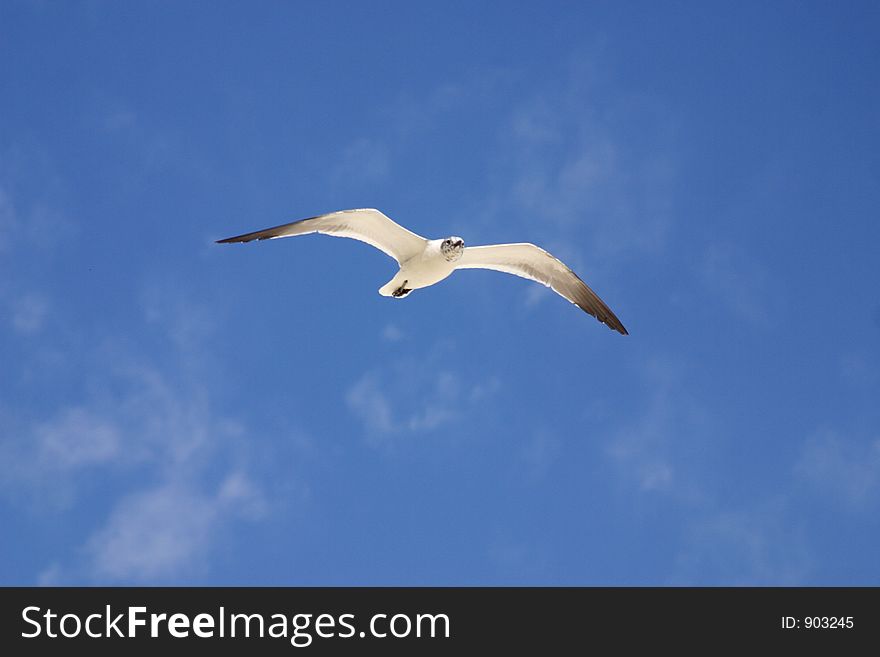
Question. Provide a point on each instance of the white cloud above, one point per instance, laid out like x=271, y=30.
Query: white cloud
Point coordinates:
x=76, y=438
x=153, y=534
x=240, y=491
x=166, y=531
x=179, y=468
x=388, y=408
x=155, y=430
x=368, y=400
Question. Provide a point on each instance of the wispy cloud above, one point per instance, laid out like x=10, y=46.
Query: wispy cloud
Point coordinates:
x=564, y=163
x=76, y=438
x=744, y=548
x=184, y=322
x=392, y=333
x=368, y=400
x=30, y=227
x=157, y=431
x=51, y=575
x=387, y=409
x=153, y=534
x=180, y=466
x=414, y=113
x=158, y=533
x=666, y=450
x=649, y=447
x=413, y=396
x=25, y=309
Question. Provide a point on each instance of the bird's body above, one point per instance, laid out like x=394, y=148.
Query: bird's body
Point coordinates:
x=424, y=262
x=422, y=270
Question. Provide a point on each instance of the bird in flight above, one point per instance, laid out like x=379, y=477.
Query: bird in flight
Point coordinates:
x=424, y=262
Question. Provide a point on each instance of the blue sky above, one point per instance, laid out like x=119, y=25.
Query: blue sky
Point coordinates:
x=174, y=411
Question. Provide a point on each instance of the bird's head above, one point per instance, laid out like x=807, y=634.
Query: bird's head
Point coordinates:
x=452, y=248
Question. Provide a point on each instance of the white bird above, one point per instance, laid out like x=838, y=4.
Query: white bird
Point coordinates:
x=424, y=262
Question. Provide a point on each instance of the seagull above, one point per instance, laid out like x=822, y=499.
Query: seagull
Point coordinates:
x=424, y=262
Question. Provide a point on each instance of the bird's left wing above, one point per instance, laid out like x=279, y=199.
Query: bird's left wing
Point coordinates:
x=534, y=263
x=367, y=225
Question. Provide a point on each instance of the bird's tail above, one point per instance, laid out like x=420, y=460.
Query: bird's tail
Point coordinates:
x=387, y=289
x=394, y=288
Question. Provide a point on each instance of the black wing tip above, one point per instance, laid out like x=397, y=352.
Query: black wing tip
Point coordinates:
x=241, y=239
x=614, y=324
x=610, y=320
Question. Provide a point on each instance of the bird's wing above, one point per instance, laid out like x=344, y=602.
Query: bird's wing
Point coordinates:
x=532, y=262
x=366, y=225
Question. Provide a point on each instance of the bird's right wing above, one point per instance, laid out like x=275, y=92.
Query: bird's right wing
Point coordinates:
x=532, y=262
x=365, y=225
